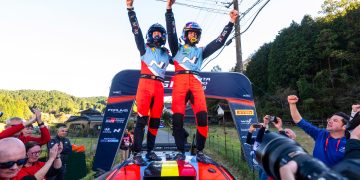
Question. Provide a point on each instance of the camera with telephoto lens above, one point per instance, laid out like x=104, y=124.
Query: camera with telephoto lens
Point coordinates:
x=276, y=150
x=273, y=119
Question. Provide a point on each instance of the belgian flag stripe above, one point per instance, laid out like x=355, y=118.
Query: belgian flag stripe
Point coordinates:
x=169, y=168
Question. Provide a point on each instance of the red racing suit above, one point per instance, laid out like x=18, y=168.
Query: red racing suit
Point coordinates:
x=150, y=92
x=187, y=82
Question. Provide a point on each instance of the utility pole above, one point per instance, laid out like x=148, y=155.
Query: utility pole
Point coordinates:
x=239, y=64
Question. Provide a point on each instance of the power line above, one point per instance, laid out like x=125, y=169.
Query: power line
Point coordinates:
x=236, y=35
x=226, y=44
x=213, y=10
x=215, y=3
x=249, y=9
x=221, y=11
x=254, y=17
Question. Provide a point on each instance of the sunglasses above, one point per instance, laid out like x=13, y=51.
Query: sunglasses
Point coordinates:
x=7, y=165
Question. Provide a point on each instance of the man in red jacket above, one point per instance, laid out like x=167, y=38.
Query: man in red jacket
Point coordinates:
x=15, y=125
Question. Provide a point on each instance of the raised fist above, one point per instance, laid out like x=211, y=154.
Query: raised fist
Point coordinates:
x=293, y=99
x=234, y=14
x=129, y=3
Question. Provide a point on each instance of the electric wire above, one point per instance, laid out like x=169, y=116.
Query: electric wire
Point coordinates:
x=236, y=35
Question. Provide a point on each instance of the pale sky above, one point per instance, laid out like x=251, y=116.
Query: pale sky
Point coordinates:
x=77, y=46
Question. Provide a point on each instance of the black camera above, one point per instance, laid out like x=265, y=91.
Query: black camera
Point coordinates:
x=276, y=150
x=273, y=119
x=1, y=113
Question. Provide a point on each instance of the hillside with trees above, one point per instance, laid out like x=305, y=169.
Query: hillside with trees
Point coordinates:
x=55, y=105
x=318, y=60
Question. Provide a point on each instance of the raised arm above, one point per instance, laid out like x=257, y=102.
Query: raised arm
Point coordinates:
x=171, y=28
x=139, y=38
x=217, y=43
x=8, y=132
x=354, y=109
x=45, y=134
x=310, y=129
x=295, y=115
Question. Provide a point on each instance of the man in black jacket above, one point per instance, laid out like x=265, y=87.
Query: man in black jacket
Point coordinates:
x=62, y=131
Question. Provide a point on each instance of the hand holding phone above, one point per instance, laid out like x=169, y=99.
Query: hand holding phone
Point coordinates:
x=257, y=125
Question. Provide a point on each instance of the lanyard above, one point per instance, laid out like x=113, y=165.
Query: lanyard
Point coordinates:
x=327, y=142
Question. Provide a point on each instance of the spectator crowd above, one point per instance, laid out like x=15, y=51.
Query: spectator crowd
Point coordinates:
x=20, y=150
x=333, y=144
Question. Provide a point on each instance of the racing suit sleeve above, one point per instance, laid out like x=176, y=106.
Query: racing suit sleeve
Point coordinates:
x=217, y=43
x=45, y=136
x=11, y=131
x=139, y=38
x=171, y=30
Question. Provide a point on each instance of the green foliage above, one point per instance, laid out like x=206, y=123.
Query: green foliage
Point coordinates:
x=335, y=8
x=319, y=60
x=166, y=116
x=54, y=104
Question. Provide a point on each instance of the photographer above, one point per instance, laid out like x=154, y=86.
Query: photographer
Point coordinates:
x=330, y=142
x=347, y=168
x=249, y=139
x=277, y=122
x=256, y=141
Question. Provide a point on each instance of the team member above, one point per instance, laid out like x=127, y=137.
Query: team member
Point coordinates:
x=187, y=84
x=150, y=94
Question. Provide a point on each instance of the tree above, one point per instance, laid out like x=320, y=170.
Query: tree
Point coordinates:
x=216, y=68
x=335, y=8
